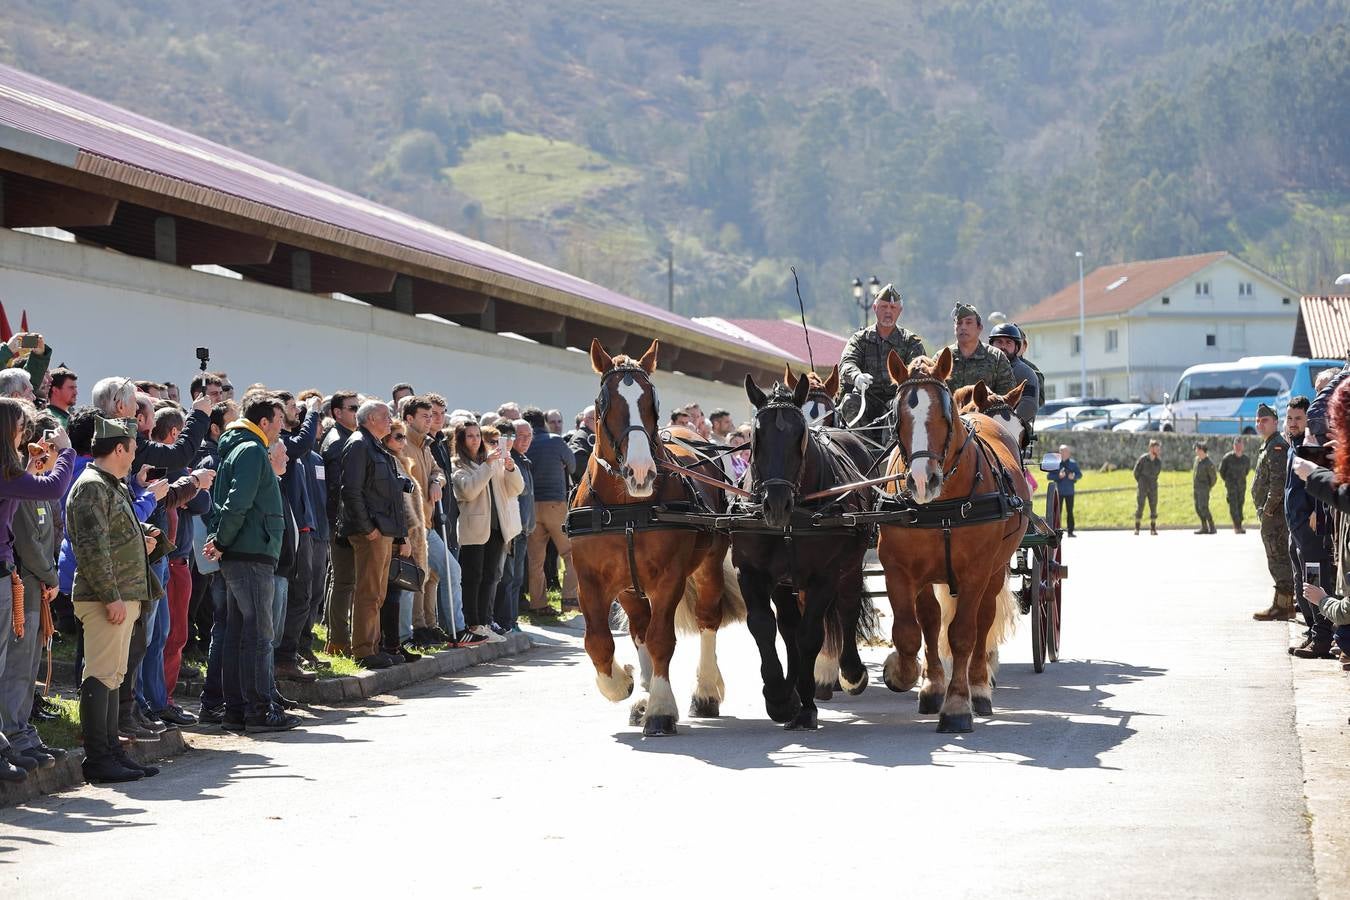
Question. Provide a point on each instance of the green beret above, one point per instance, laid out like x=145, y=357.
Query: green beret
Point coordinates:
x=889, y=294
x=1264, y=410
x=964, y=309
x=111, y=428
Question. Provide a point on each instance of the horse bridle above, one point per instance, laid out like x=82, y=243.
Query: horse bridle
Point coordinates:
x=945, y=393
x=779, y=406
x=631, y=373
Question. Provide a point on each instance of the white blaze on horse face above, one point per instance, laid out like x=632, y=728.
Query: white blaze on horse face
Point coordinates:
x=921, y=469
x=637, y=455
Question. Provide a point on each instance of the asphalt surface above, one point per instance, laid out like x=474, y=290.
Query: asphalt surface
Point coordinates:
x=1158, y=758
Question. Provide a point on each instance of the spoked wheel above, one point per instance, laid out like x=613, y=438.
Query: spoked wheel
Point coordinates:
x=1055, y=572
x=1035, y=587
x=1045, y=575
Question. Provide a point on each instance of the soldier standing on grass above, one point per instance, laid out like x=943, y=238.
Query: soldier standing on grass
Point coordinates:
x=1233, y=469
x=1268, y=495
x=1147, y=468
x=1203, y=478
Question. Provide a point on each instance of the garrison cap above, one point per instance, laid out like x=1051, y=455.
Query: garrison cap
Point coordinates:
x=961, y=310
x=111, y=428
x=1264, y=410
x=889, y=294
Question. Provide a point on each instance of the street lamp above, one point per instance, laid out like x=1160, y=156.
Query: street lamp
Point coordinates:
x=864, y=297
x=1082, y=330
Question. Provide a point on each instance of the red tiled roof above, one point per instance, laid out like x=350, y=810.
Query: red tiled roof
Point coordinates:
x=786, y=337
x=1144, y=279
x=1323, y=330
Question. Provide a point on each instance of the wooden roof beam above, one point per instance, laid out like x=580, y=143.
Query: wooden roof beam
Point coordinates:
x=27, y=202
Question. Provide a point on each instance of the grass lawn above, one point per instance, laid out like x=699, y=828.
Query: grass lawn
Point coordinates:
x=65, y=731
x=1107, y=500
x=526, y=176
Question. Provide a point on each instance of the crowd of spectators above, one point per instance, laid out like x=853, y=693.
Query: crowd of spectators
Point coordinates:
x=205, y=539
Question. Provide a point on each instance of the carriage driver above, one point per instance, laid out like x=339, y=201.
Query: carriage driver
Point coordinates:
x=1009, y=338
x=972, y=359
x=863, y=364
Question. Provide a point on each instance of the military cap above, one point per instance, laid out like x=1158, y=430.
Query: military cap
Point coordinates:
x=889, y=294
x=1265, y=409
x=962, y=310
x=111, y=428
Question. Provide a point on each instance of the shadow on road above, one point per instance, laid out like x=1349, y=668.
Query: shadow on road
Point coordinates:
x=1060, y=719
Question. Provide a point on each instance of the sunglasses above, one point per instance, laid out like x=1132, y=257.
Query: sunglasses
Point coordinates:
x=398, y=437
x=351, y=408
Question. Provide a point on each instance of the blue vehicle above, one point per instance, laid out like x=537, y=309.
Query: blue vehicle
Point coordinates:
x=1221, y=398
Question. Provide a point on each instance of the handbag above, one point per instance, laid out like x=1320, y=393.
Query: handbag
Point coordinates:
x=405, y=574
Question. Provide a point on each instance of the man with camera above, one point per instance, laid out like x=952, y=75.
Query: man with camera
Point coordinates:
x=1268, y=494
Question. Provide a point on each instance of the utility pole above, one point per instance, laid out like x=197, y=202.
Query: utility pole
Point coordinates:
x=1082, y=331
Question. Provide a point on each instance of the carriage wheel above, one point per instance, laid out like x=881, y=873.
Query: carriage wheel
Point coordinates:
x=1054, y=609
x=1046, y=575
x=1035, y=587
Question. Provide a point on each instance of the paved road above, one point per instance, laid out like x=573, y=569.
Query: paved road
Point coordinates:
x=1158, y=759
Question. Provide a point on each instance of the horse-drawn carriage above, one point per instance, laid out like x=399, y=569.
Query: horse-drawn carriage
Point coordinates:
x=654, y=515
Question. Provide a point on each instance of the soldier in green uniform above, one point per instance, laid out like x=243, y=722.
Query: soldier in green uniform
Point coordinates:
x=1203, y=478
x=972, y=359
x=1146, y=471
x=863, y=364
x=1233, y=469
x=1272, y=464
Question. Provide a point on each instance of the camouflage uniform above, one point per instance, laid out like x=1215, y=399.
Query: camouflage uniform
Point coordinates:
x=1203, y=478
x=866, y=353
x=1268, y=495
x=1233, y=469
x=1146, y=471
x=987, y=364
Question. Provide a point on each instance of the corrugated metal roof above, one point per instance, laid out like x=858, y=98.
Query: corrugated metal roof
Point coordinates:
x=1118, y=288
x=38, y=107
x=1323, y=330
x=784, y=337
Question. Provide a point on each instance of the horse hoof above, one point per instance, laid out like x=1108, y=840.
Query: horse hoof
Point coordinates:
x=783, y=711
x=660, y=726
x=983, y=706
x=930, y=704
x=956, y=723
x=805, y=720
x=856, y=688
x=636, y=712
x=894, y=675
x=704, y=708
x=823, y=692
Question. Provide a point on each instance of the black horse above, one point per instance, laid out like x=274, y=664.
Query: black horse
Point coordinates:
x=812, y=573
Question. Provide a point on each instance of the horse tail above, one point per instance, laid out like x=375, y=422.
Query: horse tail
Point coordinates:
x=733, y=604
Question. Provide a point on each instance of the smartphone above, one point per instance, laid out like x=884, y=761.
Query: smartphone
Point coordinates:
x=1315, y=453
x=30, y=341
x=1312, y=573
x=155, y=475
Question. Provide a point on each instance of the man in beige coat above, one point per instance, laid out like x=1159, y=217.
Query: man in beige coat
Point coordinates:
x=416, y=415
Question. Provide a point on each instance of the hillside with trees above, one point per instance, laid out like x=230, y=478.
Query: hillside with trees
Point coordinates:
x=962, y=149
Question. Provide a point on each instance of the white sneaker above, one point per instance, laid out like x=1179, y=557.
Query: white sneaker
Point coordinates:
x=487, y=634
x=494, y=638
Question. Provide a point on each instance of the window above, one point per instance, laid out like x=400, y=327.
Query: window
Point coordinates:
x=1166, y=300
x=1202, y=289
x=1075, y=344
x=1285, y=300
x=1211, y=340
x=1050, y=392
x=1112, y=340
x=1245, y=289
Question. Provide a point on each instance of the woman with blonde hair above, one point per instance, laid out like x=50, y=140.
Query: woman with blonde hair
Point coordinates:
x=486, y=485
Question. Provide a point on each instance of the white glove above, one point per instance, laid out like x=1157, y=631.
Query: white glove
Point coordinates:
x=862, y=381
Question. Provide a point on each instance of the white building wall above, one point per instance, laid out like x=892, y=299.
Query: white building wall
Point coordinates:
x=109, y=314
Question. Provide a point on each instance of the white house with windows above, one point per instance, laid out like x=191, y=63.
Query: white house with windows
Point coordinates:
x=1148, y=321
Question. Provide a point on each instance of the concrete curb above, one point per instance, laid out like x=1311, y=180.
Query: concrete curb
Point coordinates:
x=66, y=774
x=372, y=684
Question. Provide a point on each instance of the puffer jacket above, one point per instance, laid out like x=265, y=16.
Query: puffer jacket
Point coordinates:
x=475, y=519
x=372, y=489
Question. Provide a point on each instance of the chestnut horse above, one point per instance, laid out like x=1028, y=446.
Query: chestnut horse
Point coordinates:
x=650, y=570
x=819, y=406
x=977, y=398
x=959, y=464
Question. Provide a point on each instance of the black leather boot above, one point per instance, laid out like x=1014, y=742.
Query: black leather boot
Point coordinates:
x=100, y=766
x=119, y=752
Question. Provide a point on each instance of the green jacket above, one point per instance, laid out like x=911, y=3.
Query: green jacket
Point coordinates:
x=1204, y=476
x=1336, y=609
x=1268, y=483
x=109, y=543
x=1147, y=469
x=1233, y=470
x=36, y=365
x=866, y=352
x=987, y=364
x=247, y=521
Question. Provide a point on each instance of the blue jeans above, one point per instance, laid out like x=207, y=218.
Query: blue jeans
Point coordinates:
x=507, y=607
x=150, y=688
x=246, y=665
x=281, y=590
x=449, y=596
x=212, y=693
x=405, y=616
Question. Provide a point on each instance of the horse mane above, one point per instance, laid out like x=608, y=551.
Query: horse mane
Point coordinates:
x=623, y=361
x=779, y=393
x=817, y=383
x=922, y=366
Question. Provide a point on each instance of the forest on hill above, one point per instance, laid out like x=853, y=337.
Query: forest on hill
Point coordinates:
x=962, y=149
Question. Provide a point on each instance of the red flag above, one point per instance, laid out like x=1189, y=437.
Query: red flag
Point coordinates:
x=5, y=332
x=23, y=322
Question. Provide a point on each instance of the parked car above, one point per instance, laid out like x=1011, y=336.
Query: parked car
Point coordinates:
x=1067, y=418
x=1148, y=419
x=1054, y=406
x=1115, y=414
